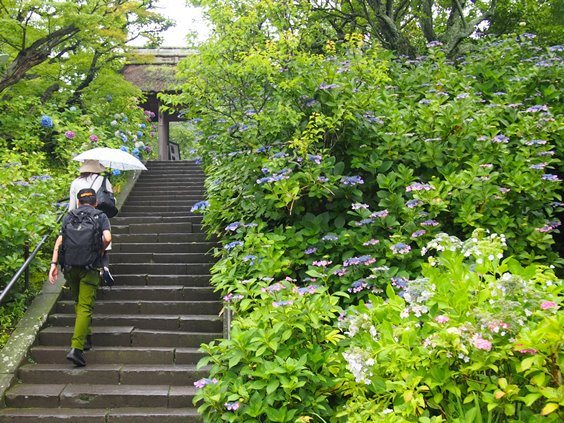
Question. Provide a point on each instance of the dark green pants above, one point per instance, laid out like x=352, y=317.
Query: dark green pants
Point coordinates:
x=83, y=285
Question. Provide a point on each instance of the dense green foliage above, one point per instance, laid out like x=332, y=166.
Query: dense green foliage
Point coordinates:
x=330, y=172
x=61, y=93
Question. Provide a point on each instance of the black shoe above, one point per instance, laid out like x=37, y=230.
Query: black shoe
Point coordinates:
x=75, y=355
x=107, y=276
x=88, y=343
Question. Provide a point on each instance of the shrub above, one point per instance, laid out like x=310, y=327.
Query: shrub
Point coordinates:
x=473, y=338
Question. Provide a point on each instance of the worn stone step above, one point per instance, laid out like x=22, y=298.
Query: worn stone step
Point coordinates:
x=156, y=201
x=159, y=208
x=113, y=335
x=120, y=220
x=147, y=307
x=99, y=396
x=160, y=187
x=154, y=292
x=134, y=337
x=158, y=192
x=114, y=415
x=181, y=213
x=169, y=258
x=168, y=247
x=163, y=268
x=153, y=228
x=168, y=322
x=167, y=181
x=159, y=280
x=153, y=238
x=110, y=355
x=127, y=374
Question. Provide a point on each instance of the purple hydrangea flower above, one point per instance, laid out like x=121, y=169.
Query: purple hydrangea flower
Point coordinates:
x=418, y=233
x=352, y=180
x=365, y=260
x=550, y=177
x=400, y=248
x=430, y=222
x=70, y=135
x=232, y=406
x=416, y=186
x=205, y=381
x=413, y=203
x=500, y=139
x=380, y=214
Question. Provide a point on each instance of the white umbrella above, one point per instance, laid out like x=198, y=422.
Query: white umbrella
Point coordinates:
x=112, y=158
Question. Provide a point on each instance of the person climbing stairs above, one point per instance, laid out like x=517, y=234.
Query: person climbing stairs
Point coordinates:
x=147, y=328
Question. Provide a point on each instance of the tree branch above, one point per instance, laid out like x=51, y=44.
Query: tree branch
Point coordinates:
x=35, y=54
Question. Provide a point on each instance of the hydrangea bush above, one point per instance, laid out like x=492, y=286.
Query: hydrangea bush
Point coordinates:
x=474, y=337
x=340, y=170
x=37, y=143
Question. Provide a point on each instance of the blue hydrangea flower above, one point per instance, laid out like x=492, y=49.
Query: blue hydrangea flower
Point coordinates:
x=124, y=148
x=233, y=226
x=116, y=172
x=46, y=121
x=200, y=205
x=232, y=245
x=352, y=180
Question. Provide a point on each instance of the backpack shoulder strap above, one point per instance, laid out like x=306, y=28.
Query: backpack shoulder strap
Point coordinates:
x=95, y=179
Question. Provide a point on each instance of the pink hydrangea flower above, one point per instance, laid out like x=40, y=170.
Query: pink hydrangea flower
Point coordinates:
x=545, y=305
x=442, y=319
x=70, y=135
x=481, y=343
x=93, y=138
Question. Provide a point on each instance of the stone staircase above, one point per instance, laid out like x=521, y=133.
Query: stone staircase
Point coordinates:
x=147, y=329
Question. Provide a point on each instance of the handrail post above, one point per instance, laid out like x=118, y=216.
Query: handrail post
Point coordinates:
x=26, y=274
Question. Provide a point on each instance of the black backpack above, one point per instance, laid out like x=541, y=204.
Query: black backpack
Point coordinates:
x=82, y=239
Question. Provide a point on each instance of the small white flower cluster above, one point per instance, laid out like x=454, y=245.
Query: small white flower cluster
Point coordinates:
x=443, y=242
x=359, y=363
x=354, y=323
x=416, y=293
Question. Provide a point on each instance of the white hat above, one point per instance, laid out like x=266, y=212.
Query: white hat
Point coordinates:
x=91, y=166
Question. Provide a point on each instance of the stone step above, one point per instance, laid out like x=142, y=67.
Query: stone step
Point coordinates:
x=152, y=293
x=132, y=337
x=107, y=335
x=110, y=355
x=132, y=220
x=155, y=201
x=99, y=396
x=168, y=322
x=163, y=268
x=163, y=209
x=147, y=307
x=127, y=374
x=142, y=185
x=169, y=258
x=193, y=193
x=94, y=415
x=153, y=228
x=173, y=172
x=142, y=214
x=159, y=293
x=165, y=180
x=157, y=238
x=160, y=280
x=168, y=247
